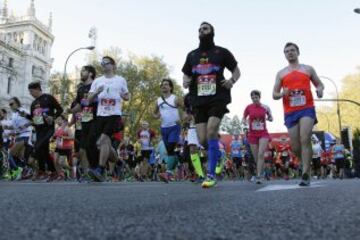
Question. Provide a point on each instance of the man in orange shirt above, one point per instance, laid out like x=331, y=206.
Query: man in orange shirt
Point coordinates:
x=300, y=117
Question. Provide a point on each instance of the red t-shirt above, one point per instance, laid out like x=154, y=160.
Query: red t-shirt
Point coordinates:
x=257, y=117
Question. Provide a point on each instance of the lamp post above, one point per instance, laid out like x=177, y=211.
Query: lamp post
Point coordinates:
x=337, y=102
x=64, y=88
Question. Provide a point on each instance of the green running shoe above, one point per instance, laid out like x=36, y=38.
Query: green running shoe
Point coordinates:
x=209, y=182
x=16, y=174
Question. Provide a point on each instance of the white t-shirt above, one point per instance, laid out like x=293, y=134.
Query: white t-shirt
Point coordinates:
x=317, y=150
x=169, y=115
x=18, y=122
x=109, y=100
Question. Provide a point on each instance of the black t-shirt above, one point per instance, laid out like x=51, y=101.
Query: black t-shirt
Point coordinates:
x=45, y=105
x=88, y=110
x=206, y=69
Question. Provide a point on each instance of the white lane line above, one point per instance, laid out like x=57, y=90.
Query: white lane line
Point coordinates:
x=278, y=187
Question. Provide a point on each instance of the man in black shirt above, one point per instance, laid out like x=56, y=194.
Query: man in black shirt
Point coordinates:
x=44, y=110
x=209, y=91
x=87, y=110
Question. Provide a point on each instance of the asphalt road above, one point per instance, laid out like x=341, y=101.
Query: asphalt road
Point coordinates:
x=233, y=210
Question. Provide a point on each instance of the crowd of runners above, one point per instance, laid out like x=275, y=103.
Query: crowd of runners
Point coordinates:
x=44, y=144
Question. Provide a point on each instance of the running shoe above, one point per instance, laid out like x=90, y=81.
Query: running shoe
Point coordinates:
x=253, y=179
x=40, y=176
x=97, y=174
x=27, y=173
x=16, y=174
x=259, y=180
x=6, y=176
x=209, y=182
x=305, y=180
x=53, y=176
x=166, y=177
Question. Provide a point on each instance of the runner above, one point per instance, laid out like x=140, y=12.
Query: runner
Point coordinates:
x=316, y=157
x=167, y=108
x=22, y=130
x=146, y=138
x=338, y=151
x=236, y=146
x=86, y=111
x=209, y=91
x=258, y=135
x=300, y=117
x=44, y=110
x=110, y=90
x=63, y=151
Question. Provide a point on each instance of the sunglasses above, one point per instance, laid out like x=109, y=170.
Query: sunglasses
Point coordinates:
x=11, y=104
x=104, y=63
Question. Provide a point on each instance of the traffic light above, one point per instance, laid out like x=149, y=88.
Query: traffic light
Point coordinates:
x=345, y=137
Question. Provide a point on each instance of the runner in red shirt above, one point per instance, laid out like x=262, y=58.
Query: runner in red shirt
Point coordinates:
x=300, y=117
x=258, y=137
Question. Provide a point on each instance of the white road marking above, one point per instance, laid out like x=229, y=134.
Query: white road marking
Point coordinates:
x=278, y=187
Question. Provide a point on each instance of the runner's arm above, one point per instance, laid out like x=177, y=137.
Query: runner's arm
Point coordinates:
x=186, y=81
x=277, y=94
x=229, y=83
x=317, y=82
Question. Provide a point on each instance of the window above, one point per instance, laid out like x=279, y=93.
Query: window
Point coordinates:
x=9, y=85
x=11, y=62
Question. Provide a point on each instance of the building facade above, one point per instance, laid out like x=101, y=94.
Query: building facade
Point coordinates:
x=25, y=54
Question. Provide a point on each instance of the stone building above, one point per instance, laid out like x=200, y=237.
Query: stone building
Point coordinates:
x=25, y=53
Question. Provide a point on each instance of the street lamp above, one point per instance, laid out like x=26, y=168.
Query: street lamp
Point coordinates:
x=337, y=102
x=63, y=88
x=357, y=10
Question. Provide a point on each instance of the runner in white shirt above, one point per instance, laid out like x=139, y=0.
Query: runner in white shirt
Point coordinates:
x=109, y=90
x=316, y=156
x=22, y=129
x=167, y=109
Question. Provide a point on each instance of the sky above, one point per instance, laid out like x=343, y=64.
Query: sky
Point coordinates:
x=255, y=31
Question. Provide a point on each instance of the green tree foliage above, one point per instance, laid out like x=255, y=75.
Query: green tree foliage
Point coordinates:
x=350, y=113
x=143, y=75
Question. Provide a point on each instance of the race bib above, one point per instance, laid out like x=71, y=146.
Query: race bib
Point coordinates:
x=38, y=116
x=107, y=104
x=258, y=125
x=236, y=151
x=206, y=85
x=59, y=142
x=87, y=114
x=297, y=98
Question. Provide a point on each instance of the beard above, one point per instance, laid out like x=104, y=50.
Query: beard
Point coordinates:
x=206, y=41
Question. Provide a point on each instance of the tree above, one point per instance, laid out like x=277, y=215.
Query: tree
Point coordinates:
x=231, y=126
x=350, y=113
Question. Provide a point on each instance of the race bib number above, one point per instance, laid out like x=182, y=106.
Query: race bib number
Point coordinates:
x=87, y=114
x=258, y=125
x=107, y=104
x=38, y=116
x=206, y=85
x=297, y=98
x=236, y=151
